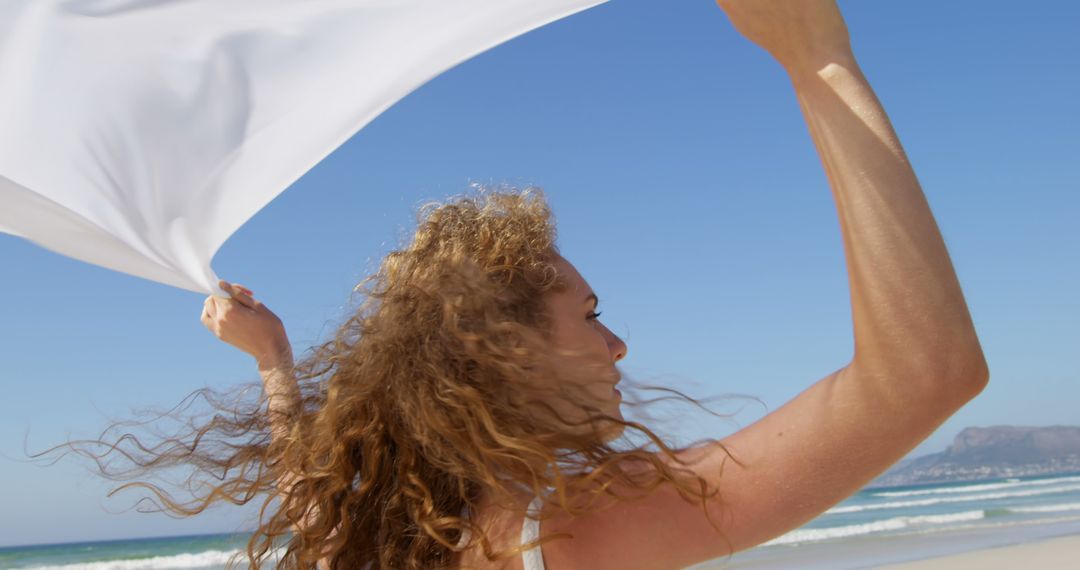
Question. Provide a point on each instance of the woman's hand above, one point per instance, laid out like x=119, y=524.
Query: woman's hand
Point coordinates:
x=247, y=324
x=798, y=33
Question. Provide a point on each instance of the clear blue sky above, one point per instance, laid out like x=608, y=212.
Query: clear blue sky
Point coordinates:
x=687, y=192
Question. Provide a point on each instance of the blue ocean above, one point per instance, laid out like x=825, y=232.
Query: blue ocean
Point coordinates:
x=890, y=525
x=871, y=528
x=189, y=552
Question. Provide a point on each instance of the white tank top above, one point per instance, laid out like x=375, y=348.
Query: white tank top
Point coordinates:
x=532, y=558
x=530, y=531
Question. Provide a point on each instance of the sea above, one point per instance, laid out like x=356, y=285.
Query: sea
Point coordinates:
x=874, y=527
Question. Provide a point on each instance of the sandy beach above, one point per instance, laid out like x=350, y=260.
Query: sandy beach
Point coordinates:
x=1029, y=546
x=1053, y=554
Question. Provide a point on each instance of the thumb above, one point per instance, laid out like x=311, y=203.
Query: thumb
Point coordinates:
x=238, y=294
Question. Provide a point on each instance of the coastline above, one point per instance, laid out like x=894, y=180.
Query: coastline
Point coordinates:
x=1060, y=553
x=1042, y=546
x=1011, y=523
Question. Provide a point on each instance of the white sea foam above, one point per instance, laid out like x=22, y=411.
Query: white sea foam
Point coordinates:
x=893, y=524
x=989, y=525
x=1008, y=484
x=961, y=499
x=207, y=559
x=1047, y=508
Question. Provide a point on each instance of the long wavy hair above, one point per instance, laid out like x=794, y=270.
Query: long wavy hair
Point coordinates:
x=442, y=387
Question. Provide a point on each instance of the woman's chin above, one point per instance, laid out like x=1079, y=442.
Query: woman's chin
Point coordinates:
x=613, y=429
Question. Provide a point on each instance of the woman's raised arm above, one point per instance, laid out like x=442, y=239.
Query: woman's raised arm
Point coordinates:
x=916, y=360
x=251, y=327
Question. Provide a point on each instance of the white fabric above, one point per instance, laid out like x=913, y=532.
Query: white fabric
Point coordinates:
x=533, y=558
x=140, y=134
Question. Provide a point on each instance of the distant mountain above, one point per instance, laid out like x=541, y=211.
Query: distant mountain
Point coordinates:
x=992, y=452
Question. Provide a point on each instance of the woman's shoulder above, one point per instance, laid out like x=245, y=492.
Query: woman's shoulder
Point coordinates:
x=502, y=525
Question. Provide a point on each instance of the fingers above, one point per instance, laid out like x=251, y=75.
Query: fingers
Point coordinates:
x=241, y=294
x=216, y=308
x=208, y=313
x=244, y=299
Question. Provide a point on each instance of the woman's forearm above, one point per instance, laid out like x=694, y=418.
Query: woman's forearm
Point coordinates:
x=908, y=310
x=283, y=403
x=282, y=392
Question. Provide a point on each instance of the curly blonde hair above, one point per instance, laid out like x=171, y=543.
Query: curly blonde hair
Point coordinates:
x=426, y=399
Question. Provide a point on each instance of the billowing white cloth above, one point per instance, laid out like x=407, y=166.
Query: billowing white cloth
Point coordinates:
x=140, y=134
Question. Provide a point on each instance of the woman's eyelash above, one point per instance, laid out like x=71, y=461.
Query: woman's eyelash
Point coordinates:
x=595, y=315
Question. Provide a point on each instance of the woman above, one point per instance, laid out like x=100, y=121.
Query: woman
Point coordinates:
x=467, y=413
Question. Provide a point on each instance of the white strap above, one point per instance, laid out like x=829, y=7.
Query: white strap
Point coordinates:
x=466, y=534
x=533, y=558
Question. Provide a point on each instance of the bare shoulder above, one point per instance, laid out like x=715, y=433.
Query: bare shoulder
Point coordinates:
x=770, y=477
x=503, y=529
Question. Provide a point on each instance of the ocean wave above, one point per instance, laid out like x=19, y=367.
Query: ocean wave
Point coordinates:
x=1047, y=508
x=992, y=525
x=1008, y=484
x=893, y=524
x=940, y=500
x=206, y=559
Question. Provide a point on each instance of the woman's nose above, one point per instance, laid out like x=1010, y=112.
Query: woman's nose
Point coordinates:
x=616, y=346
